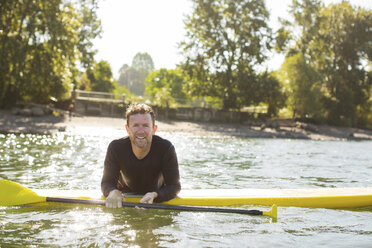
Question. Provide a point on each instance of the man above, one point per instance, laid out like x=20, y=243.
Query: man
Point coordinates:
x=142, y=163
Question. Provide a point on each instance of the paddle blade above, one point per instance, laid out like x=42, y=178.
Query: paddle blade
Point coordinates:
x=12, y=194
x=273, y=212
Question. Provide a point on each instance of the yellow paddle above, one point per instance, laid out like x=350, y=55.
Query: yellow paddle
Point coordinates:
x=13, y=194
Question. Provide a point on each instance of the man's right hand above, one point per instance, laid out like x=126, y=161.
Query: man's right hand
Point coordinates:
x=114, y=199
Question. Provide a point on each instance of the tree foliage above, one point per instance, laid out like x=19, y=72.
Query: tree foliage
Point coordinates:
x=133, y=77
x=335, y=41
x=339, y=51
x=303, y=87
x=143, y=62
x=305, y=14
x=127, y=76
x=270, y=93
x=101, y=78
x=165, y=83
x=41, y=45
x=225, y=40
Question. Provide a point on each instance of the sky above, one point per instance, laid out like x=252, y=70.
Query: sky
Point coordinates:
x=156, y=27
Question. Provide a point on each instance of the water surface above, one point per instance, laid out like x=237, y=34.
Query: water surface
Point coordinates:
x=75, y=162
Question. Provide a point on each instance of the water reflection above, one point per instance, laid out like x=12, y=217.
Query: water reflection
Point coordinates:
x=83, y=226
x=50, y=161
x=142, y=225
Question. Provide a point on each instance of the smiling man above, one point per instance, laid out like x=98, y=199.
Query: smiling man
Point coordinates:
x=142, y=163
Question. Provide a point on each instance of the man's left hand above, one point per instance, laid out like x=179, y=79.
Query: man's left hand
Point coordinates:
x=149, y=197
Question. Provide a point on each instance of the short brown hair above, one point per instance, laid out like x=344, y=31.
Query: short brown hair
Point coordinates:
x=140, y=108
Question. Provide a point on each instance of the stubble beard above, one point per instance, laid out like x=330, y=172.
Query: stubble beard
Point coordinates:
x=141, y=143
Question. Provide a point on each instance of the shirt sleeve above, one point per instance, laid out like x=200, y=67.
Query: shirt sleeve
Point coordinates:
x=171, y=176
x=110, y=172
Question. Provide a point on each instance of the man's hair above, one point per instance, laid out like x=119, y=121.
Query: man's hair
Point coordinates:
x=140, y=108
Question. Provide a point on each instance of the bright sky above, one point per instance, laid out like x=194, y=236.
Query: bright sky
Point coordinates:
x=155, y=27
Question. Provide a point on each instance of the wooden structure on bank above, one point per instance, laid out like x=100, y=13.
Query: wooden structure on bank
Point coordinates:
x=105, y=104
x=97, y=103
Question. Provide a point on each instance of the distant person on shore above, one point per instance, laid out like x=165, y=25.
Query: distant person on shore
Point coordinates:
x=142, y=163
x=70, y=110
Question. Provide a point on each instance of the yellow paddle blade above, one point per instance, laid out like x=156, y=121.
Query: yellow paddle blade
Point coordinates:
x=273, y=212
x=12, y=194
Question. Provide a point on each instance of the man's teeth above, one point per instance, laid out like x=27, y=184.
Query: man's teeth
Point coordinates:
x=140, y=137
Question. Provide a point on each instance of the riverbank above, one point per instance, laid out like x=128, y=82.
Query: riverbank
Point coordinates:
x=10, y=123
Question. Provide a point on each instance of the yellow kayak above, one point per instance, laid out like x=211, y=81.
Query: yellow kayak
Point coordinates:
x=310, y=197
x=14, y=194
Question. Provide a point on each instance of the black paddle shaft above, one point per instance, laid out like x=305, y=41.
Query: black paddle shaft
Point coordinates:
x=158, y=206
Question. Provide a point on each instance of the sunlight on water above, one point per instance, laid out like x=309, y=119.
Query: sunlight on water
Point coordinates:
x=75, y=162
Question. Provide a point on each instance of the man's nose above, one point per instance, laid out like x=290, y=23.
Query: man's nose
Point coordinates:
x=141, y=129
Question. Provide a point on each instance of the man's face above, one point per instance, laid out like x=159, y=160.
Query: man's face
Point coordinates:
x=140, y=130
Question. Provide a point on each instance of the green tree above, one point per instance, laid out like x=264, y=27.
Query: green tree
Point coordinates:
x=41, y=45
x=123, y=78
x=301, y=29
x=270, y=93
x=83, y=82
x=120, y=91
x=339, y=51
x=128, y=77
x=263, y=89
x=365, y=112
x=225, y=40
x=171, y=80
x=305, y=13
x=143, y=61
x=303, y=87
x=163, y=98
x=100, y=77
x=336, y=42
x=133, y=77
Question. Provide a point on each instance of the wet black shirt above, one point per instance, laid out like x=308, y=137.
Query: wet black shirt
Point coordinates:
x=158, y=171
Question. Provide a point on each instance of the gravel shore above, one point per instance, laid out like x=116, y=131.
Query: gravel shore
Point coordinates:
x=50, y=124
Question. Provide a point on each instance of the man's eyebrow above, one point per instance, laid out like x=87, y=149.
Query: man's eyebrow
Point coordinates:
x=144, y=124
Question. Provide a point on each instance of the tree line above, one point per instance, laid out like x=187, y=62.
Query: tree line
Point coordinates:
x=43, y=45
x=326, y=75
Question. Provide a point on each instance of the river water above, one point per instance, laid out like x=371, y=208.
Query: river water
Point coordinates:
x=75, y=162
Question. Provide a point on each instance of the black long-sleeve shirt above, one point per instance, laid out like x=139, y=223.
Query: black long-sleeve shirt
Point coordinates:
x=157, y=172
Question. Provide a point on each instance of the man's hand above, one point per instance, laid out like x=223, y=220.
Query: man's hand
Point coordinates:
x=149, y=197
x=114, y=199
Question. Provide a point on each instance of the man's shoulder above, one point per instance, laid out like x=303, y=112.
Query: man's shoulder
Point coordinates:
x=120, y=142
x=161, y=141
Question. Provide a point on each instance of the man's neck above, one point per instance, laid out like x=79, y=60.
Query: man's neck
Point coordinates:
x=140, y=153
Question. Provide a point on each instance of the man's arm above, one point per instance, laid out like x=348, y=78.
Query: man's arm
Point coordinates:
x=114, y=197
x=110, y=172
x=171, y=176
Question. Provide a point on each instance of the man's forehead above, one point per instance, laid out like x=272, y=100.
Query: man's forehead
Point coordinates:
x=140, y=117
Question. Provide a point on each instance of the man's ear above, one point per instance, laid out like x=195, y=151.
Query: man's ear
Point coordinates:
x=155, y=128
x=126, y=127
